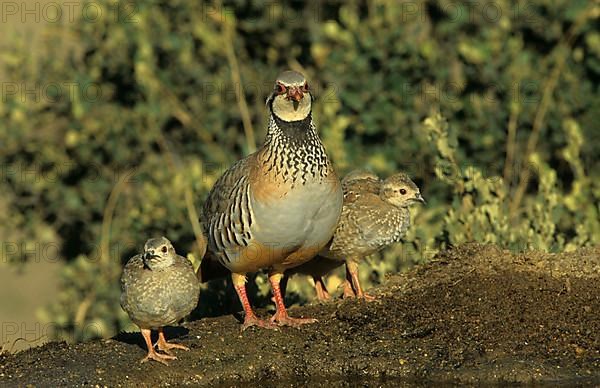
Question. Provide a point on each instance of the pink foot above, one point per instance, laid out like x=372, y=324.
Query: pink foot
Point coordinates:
x=165, y=346
x=348, y=291
x=367, y=297
x=321, y=290
x=253, y=320
x=162, y=358
x=286, y=320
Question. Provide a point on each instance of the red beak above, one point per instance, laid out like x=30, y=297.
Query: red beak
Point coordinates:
x=295, y=94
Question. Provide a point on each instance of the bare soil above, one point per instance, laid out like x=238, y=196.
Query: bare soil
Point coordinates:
x=475, y=315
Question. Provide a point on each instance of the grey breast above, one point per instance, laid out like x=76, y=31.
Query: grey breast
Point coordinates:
x=305, y=217
x=155, y=298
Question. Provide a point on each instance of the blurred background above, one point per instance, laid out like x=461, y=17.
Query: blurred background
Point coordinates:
x=118, y=116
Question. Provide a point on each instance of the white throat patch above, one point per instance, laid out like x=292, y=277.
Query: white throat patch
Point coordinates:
x=284, y=108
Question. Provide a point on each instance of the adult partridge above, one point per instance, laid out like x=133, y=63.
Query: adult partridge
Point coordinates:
x=158, y=288
x=276, y=208
x=375, y=214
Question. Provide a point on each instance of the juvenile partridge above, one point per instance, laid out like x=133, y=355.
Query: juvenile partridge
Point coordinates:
x=375, y=214
x=276, y=208
x=158, y=288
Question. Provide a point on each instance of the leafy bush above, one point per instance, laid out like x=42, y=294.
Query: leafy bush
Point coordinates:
x=165, y=99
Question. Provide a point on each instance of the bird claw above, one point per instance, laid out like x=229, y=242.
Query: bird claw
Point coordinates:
x=255, y=321
x=348, y=291
x=168, y=346
x=286, y=320
x=323, y=296
x=365, y=297
x=162, y=358
x=368, y=298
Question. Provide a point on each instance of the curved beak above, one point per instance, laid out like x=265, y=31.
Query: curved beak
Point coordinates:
x=148, y=255
x=419, y=198
x=295, y=94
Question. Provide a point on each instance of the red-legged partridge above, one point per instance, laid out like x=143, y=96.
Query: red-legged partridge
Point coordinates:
x=276, y=208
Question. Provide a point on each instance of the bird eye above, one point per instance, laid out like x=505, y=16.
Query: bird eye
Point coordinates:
x=163, y=249
x=279, y=89
x=305, y=87
x=403, y=191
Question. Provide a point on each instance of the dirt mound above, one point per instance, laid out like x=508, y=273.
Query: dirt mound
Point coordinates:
x=475, y=314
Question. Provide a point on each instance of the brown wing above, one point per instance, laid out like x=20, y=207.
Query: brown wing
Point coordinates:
x=347, y=239
x=221, y=195
x=367, y=225
x=359, y=182
x=227, y=212
x=359, y=174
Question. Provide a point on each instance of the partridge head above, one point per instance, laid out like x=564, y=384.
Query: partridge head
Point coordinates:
x=291, y=99
x=158, y=253
x=400, y=191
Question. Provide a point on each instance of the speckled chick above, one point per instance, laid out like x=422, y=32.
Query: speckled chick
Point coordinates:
x=375, y=214
x=158, y=288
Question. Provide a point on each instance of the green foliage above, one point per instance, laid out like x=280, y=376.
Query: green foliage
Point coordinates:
x=552, y=219
x=153, y=114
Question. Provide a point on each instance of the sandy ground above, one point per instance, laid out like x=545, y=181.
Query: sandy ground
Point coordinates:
x=25, y=290
x=475, y=314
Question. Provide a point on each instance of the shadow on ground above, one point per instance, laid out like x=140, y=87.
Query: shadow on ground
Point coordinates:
x=476, y=314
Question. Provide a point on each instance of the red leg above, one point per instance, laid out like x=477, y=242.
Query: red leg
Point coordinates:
x=152, y=354
x=352, y=270
x=250, y=319
x=281, y=316
x=321, y=289
x=282, y=286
